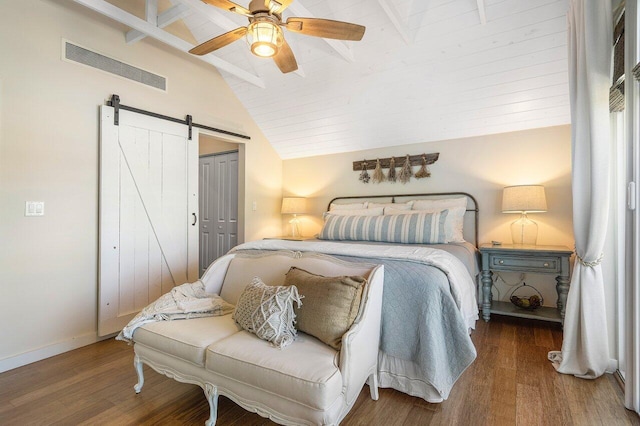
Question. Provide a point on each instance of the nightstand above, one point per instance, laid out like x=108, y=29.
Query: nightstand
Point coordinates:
x=525, y=258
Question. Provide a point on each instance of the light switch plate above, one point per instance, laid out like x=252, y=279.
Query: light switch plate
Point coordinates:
x=34, y=208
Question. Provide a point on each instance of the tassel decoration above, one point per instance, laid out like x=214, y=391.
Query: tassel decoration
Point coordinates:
x=391, y=176
x=405, y=172
x=423, y=172
x=364, y=176
x=378, y=176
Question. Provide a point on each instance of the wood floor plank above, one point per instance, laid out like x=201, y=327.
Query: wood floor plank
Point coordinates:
x=529, y=406
x=510, y=383
x=502, y=409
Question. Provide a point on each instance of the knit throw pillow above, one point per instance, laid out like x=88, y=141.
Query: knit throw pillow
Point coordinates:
x=267, y=311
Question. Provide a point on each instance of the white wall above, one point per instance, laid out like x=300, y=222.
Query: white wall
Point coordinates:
x=49, y=152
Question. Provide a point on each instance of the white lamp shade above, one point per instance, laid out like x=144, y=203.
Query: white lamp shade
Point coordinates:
x=524, y=198
x=294, y=205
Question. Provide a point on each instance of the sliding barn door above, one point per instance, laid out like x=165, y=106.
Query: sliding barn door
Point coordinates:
x=148, y=207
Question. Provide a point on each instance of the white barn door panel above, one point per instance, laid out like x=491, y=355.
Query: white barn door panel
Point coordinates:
x=148, y=206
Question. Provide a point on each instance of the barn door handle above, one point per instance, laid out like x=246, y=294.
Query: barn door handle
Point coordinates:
x=195, y=219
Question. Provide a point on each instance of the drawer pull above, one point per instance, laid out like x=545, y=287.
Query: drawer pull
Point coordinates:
x=501, y=262
x=546, y=264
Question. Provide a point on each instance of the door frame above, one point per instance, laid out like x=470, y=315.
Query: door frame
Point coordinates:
x=242, y=150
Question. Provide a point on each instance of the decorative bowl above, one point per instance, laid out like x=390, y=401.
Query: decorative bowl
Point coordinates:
x=526, y=300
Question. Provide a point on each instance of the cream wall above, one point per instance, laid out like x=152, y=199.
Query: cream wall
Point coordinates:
x=211, y=145
x=481, y=166
x=49, y=152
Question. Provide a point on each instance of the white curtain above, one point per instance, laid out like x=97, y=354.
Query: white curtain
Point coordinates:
x=585, y=347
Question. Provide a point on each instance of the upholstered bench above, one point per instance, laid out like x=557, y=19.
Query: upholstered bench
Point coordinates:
x=306, y=382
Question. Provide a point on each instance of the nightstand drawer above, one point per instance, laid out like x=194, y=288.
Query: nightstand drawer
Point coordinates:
x=532, y=264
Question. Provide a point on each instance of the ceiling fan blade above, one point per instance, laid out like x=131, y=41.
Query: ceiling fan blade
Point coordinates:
x=277, y=6
x=285, y=59
x=218, y=42
x=230, y=6
x=326, y=28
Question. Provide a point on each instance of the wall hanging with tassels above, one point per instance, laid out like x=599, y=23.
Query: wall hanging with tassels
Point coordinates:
x=403, y=175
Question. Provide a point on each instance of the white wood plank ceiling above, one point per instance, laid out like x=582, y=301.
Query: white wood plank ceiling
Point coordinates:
x=426, y=70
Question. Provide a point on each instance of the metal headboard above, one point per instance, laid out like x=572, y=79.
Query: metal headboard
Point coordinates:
x=393, y=197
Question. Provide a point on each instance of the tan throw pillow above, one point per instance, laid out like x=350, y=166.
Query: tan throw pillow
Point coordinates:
x=267, y=311
x=330, y=304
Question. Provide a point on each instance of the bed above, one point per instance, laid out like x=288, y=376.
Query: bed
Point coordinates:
x=429, y=305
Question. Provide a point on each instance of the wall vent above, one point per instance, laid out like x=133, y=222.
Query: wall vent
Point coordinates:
x=87, y=57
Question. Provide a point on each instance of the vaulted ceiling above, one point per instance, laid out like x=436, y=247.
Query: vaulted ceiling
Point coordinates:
x=425, y=70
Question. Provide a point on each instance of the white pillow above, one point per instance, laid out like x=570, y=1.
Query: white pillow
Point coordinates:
x=267, y=311
x=440, y=204
x=455, y=219
x=391, y=210
x=357, y=212
x=398, y=206
x=453, y=225
x=350, y=206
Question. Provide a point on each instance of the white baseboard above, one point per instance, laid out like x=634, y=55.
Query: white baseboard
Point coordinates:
x=25, y=358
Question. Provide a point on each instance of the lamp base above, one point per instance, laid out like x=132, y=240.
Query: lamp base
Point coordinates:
x=524, y=231
x=295, y=229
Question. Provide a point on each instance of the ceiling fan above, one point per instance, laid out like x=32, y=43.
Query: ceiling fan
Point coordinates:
x=265, y=35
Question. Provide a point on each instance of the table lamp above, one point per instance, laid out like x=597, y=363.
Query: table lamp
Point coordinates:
x=524, y=199
x=294, y=206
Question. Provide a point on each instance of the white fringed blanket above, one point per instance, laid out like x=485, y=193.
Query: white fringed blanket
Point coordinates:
x=185, y=301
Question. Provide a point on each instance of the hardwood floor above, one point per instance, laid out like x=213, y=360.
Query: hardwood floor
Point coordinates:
x=510, y=383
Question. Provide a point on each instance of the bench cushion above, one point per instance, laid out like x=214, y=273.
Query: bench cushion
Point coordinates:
x=186, y=339
x=306, y=371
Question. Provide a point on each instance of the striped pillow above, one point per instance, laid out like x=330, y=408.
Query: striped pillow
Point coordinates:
x=421, y=228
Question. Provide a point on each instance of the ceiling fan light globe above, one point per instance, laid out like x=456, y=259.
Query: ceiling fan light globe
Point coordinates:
x=265, y=38
x=264, y=50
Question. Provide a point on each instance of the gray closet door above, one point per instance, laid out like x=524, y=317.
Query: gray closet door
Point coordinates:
x=218, y=206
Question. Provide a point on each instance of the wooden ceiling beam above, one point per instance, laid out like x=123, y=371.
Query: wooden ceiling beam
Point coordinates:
x=394, y=16
x=161, y=20
x=151, y=11
x=482, y=11
x=150, y=30
x=212, y=14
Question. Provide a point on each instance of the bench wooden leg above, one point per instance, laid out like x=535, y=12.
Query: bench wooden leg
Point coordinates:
x=373, y=386
x=138, y=366
x=211, y=392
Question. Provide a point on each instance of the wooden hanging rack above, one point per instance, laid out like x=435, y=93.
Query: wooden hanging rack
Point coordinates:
x=414, y=160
